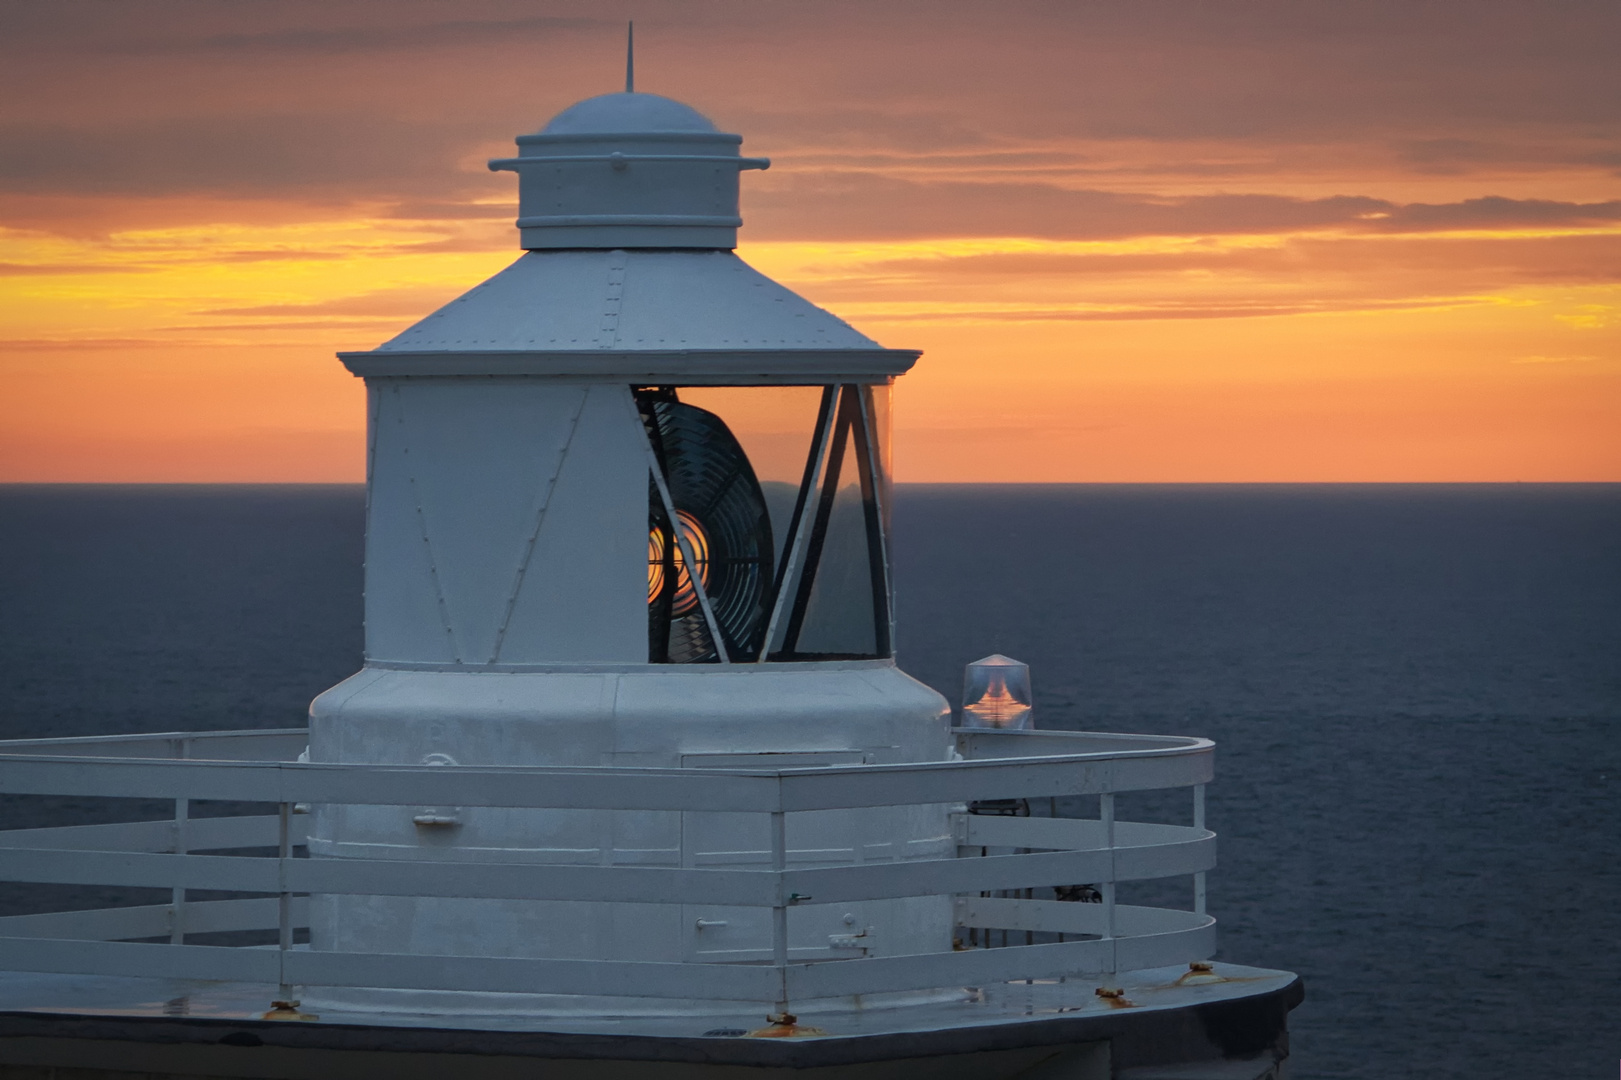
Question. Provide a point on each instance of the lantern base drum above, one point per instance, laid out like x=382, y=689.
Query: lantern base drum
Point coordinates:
x=647, y=717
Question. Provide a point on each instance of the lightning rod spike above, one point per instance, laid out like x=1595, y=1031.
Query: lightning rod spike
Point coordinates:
x=630, y=58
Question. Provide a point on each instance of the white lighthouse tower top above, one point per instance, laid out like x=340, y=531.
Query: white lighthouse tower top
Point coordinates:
x=628, y=211
x=629, y=170
x=630, y=767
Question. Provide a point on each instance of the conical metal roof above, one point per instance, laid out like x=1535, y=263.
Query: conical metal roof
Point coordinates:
x=552, y=300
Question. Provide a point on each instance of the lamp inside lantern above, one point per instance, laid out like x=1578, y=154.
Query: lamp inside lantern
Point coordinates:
x=665, y=553
x=996, y=694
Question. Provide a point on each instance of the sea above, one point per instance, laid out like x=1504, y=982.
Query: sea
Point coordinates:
x=1415, y=691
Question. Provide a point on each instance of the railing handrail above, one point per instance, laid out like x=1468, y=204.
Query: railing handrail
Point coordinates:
x=1180, y=763
x=1041, y=851
x=970, y=736
x=171, y=740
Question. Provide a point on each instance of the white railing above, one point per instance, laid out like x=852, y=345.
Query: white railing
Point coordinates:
x=1013, y=856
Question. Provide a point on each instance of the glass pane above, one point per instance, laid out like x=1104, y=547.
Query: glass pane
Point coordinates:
x=880, y=408
x=839, y=612
x=734, y=460
x=711, y=544
x=774, y=425
x=839, y=596
x=879, y=411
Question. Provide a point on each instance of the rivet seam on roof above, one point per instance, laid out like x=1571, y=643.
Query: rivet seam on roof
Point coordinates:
x=609, y=328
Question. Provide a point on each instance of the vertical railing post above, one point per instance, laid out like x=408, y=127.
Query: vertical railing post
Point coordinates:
x=284, y=902
x=177, y=895
x=1198, y=823
x=779, y=911
x=1106, y=813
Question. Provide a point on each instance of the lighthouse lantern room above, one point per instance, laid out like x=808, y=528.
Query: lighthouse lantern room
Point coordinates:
x=628, y=505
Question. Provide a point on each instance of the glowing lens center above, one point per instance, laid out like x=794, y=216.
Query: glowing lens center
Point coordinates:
x=998, y=707
x=686, y=597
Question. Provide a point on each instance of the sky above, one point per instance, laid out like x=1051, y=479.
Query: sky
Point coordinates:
x=1146, y=241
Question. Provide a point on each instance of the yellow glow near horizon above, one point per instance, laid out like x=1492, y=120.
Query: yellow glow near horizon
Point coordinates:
x=226, y=282
x=204, y=351
x=1134, y=243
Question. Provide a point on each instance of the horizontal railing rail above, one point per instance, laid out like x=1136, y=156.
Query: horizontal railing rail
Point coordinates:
x=1014, y=855
x=248, y=744
x=790, y=790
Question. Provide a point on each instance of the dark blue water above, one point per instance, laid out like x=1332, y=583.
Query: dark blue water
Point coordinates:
x=1416, y=691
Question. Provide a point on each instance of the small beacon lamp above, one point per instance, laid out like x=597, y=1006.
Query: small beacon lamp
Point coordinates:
x=996, y=694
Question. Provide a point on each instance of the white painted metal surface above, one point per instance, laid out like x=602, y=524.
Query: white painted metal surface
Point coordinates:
x=660, y=720
x=506, y=523
x=562, y=301
x=628, y=171
x=1041, y=852
x=634, y=315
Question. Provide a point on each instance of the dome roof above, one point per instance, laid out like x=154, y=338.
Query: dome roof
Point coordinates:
x=626, y=113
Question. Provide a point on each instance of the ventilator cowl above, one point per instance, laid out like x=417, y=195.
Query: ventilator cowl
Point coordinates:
x=628, y=171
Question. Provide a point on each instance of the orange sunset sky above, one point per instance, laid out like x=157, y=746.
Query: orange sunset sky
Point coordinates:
x=1145, y=241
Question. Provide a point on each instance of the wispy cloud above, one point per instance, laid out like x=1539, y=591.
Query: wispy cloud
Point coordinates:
x=351, y=157
x=950, y=312
x=372, y=36
x=387, y=304
x=1279, y=201
x=19, y=269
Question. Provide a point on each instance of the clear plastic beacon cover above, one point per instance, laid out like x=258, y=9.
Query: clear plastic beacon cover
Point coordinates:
x=996, y=694
x=767, y=523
